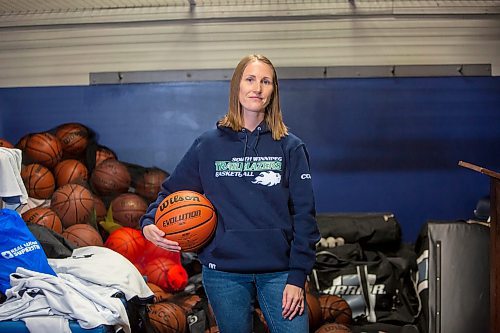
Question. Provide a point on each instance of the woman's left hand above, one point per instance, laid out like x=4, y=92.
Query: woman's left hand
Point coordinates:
x=293, y=301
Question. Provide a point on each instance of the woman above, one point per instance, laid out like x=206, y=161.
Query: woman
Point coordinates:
x=257, y=176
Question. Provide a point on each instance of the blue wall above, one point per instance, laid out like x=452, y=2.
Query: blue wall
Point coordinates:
x=376, y=144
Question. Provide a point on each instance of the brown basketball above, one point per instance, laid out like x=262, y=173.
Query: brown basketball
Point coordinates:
x=127, y=209
x=70, y=171
x=160, y=294
x=148, y=184
x=43, y=216
x=187, y=217
x=100, y=208
x=313, y=310
x=74, y=138
x=260, y=321
x=335, y=309
x=102, y=153
x=21, y=144
x=167, y=317
x=5, y=144
x=38, y=180
x=73, y=204
x=333, y=328
x=110, y=177
x=44, y=148
x=186, y=302
x=83, y=235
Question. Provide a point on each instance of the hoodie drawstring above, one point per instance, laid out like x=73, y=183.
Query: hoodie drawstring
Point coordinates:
x=257, y=141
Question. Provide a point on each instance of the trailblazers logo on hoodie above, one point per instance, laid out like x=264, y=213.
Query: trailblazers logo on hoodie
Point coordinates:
x=265, y=169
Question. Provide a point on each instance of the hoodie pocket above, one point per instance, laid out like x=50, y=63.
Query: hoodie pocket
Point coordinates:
x=252, y=250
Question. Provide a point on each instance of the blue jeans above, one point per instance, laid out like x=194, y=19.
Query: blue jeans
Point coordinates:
x=232, y=297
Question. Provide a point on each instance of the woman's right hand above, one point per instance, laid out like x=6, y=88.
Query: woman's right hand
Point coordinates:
x=157, y=237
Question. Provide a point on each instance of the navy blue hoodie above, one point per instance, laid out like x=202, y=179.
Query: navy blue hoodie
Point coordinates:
x=262, y=191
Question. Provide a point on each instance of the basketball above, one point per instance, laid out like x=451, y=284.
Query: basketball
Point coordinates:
x=160, y=294
x=333, y=328
x=73, y=204
x=186, y=302
x=127, y=209
x=188, y=218
x=110, y=177
x=44, y=148
x=167, y=317
x=102, y=153
x=166, y=274
x=100, y=208
x=5, y=144
x=38, y=180
x=149, y=183
x=74, y=138
x=335, y=309
x=83, y=235
x=70, y=171
x=43, y=216
x=260, y=323
x=129, y=242
x=313, y=310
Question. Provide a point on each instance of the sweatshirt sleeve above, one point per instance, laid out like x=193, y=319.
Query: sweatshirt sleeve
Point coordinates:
x=303, y=211
x=186, y=176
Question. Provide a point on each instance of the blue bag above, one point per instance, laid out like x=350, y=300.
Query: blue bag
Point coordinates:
x=19, y=248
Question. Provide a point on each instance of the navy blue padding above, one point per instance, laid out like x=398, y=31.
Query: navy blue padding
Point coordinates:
x=375, y=144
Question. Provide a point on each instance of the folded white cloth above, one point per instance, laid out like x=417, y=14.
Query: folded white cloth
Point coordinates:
x=11, y=183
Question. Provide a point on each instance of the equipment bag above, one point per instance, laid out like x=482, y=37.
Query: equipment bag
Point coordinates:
x=19, y=248
x=376, y=287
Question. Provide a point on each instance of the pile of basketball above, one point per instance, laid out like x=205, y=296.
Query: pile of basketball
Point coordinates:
x=72, y=192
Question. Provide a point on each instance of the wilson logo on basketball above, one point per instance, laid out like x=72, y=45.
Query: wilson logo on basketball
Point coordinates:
x=177, y=198
x=182, y=217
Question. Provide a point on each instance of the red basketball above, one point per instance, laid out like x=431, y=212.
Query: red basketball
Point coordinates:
x=167, y=317
x=38, y=180
x=83, y=235
x=160, y=294
x=149, y=183
x=127, y=209
x=44, y=148
x=73, y=204
x=110, y=177
x=187, y=217
x=43, y=216
x=5, y=144
x=313, y=310
x=102, y=154
x=166, y=274
x=333, y=328
x=129, y=242
x=70, y=171
x=74, y=138
x=335, y=309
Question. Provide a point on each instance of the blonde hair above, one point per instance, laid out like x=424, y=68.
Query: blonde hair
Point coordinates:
x=273, y=116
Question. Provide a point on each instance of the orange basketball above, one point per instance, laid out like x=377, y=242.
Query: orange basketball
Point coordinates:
x=335, y=309
x=188, y=218
x=38, y=180
x=313, y=310
x=73, y=204
x=102, y=153
x=83, y=235
x=166, y=274
x=43, y=216
x=129, y=242
x=333, y=328
x=149, y=183
x=70, y=171
x=167, y=317
x=110, y=177
x=74, y=138
x=160, y=294
x=127, y=209
x=5, y=144
x=44, y=148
